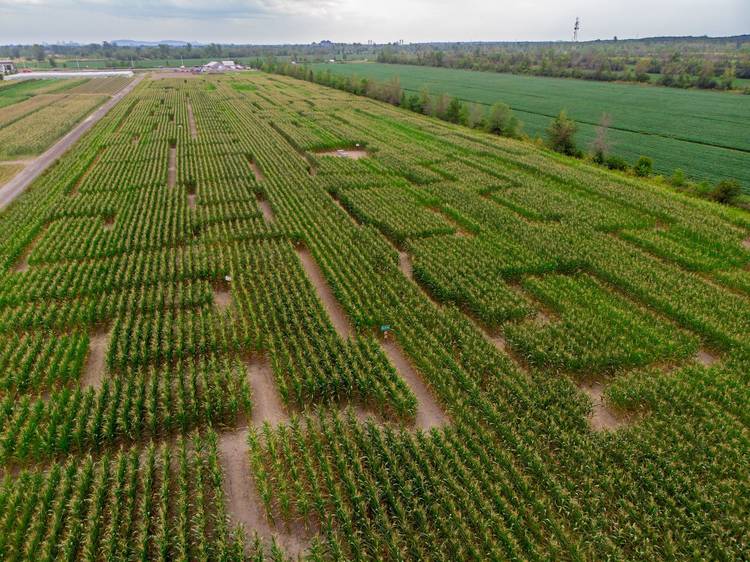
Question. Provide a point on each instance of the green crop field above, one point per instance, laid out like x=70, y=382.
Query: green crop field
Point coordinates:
x=703, y=133
x=35, y=113
x=12, y=92
x=249, y=317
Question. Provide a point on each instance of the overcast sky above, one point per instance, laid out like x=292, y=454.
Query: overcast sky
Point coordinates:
x=303, y=21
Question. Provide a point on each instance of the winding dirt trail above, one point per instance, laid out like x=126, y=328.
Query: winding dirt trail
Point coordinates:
x=95, y=366
x=267, y=403
x=404, y=264
x=602, y=417
x=35, y=167
x=705, y=358
x=429, y=413
x=256, y=171
x=243, y=502
x=172, y=170
x=266, y=210
x=330, y=304
x=191, y=119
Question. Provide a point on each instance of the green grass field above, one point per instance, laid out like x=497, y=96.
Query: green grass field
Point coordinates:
x=704, y=133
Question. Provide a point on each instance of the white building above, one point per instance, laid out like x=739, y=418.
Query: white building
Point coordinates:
x=7, y=67
x=223, y=66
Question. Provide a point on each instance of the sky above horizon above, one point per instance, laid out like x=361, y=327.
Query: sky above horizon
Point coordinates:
x=303, y=21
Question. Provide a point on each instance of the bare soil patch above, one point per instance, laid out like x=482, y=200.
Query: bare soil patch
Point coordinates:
x=330, y=304
x=135, y=139
x=404, y=264
x=191, y=120
x=602, y=417
x=95, y=367
x=429, y=412
x=191, y=201
x=222, y=297
x=499, y=342
x=542, y=318
x=243, y=502
x=266, y=401
x=746, y=243
x=351, y=153
x=265, y=208
x=256, y=170
x=109, y=223
x=705, y=358
x=22, y=264
x=172, y=175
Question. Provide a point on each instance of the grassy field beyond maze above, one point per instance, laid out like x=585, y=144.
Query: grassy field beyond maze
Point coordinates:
x=703, y=133
x=250, y=316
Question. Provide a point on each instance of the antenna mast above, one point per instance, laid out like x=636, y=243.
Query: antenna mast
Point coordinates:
x=576, y=27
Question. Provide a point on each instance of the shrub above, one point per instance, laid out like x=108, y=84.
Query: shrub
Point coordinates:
x=501, y=121
x=644, y=167
x=616, y=163
x=678, y=178
x=455, y=111
x=725, y=191
x=560, y=135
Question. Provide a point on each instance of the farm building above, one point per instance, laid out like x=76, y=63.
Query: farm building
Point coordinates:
x=7, y=67
x=223, y=66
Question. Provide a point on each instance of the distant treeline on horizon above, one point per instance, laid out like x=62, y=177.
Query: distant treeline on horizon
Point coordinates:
x=702, y=62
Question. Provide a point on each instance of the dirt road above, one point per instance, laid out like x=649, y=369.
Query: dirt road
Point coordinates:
x=35, y=167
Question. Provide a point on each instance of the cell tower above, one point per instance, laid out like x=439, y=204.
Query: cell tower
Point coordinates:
x=576, y=27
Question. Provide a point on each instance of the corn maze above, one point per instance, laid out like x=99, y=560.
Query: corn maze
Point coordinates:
x=221, y=339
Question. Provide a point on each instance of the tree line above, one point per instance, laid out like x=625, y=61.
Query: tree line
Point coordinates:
x=683, y=63
x=701, y=62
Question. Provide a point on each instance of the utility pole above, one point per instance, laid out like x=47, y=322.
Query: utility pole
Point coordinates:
x=576, y=27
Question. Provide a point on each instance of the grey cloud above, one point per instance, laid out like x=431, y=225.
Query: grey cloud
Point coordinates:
x=191, y=9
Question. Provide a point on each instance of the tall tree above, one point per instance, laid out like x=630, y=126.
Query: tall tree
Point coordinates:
x=561, y=133
x=37, y=52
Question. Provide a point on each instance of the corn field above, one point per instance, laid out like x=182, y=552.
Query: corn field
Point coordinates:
x=151, y=277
